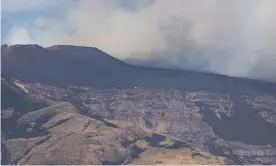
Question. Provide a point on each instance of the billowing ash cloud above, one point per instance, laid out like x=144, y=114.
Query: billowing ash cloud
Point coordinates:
x=234, y=37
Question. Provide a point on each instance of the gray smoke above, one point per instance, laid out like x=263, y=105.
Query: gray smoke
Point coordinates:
x=234, y=37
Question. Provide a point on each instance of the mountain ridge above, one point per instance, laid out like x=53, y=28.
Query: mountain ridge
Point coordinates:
x=56, y=66
x=127, y=61
x=70, y=47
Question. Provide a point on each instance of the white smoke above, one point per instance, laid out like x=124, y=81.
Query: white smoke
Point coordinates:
x=236, y=38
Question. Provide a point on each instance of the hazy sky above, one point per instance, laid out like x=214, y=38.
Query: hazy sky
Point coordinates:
x=233, y=37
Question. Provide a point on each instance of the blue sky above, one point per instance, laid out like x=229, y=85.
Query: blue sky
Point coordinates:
x=236, y=38
x=24, y=14
x=22, y=18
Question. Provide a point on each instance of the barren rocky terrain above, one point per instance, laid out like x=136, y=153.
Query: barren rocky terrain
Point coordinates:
x=228, y=124
x=59, y=134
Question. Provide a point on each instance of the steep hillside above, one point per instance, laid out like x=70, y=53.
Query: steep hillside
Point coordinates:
x=14, y=103
x=13, y=96
x=85, y=66
x=62, y=136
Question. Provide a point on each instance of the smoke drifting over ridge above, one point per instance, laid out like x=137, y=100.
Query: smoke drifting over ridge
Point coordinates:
x=236, y=38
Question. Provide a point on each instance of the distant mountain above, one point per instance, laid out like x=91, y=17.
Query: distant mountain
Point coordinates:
x=61, y=65
x=64, y=65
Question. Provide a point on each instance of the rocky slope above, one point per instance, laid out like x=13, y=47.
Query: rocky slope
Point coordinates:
x=15, y=103
x=239, y=126
x=60, y=135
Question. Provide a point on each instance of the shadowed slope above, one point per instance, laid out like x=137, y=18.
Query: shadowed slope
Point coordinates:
x=72, y=65
x=14, y=103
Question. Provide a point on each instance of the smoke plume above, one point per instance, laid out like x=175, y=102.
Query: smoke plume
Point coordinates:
x=234, y=37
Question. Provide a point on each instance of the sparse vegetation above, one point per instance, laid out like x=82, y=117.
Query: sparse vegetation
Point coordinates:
x=70, y=139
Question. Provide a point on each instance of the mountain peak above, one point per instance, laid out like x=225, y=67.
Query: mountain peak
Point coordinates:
x=25, y=46
x=20, y=47
x=66, y=47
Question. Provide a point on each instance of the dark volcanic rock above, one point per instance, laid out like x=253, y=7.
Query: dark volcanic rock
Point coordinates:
x=199, y=118
x=14, y=103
